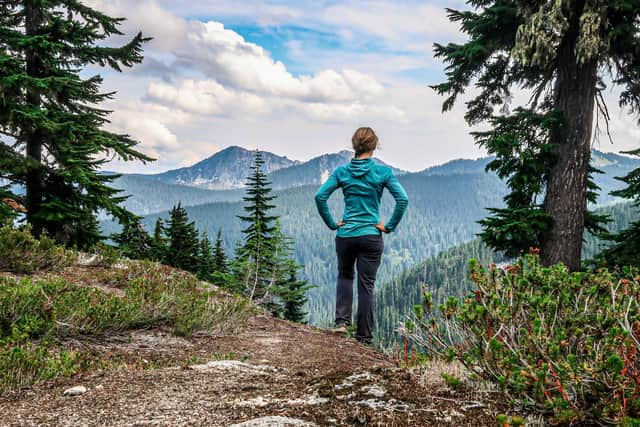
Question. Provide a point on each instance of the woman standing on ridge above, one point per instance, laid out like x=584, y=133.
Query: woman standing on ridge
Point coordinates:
x=359, y=237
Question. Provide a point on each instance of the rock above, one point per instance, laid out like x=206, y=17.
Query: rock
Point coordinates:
x=257, y=402
x=274, y=421
x=75, y=391
x=373, y=390
x=88, y=260
x=232, y=365
x=311, y=400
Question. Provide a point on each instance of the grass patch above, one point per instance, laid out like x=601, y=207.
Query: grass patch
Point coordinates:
x=35, y=313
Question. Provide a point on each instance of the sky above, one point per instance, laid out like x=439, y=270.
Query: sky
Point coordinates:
x=293, y=77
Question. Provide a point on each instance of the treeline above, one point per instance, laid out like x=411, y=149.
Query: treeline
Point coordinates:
x=263, y=269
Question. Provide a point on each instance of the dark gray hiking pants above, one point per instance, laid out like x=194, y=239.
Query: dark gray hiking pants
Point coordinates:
x=365, y=252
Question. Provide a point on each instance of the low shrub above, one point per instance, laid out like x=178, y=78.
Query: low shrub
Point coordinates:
x=20, y=252
x=153, y=296
x=25, y=364
x=559, y=342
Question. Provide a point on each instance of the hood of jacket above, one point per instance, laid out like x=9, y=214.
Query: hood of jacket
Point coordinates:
x=360, y=167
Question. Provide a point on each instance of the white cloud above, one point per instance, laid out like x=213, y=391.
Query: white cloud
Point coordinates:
x=225, y=56
x=206, y=97
x=210, y=98
x=238, y=75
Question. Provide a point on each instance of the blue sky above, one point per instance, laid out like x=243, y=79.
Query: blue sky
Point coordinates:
x=292, y=77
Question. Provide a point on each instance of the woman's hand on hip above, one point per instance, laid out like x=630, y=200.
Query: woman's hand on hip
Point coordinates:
x=340, y=224
x=381, y=227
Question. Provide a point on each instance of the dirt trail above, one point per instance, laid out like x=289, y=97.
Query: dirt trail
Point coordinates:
x=274, y=371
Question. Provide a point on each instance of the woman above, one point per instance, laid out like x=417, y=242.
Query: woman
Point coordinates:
x=359, y=236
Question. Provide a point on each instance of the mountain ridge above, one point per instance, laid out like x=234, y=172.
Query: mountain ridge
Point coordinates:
x=224, y=170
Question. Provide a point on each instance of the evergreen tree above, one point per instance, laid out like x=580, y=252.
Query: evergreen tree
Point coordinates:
x=206, y=261
x=219, y=256
x=289, y=293
x=625, y=250
x=183, y=246
x=561, y=53
x=52, y=140
x=294, y=295
x=133, y=241
x=255, y=256
x=158, y=242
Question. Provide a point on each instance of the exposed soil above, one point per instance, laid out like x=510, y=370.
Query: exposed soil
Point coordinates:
x=272, y=369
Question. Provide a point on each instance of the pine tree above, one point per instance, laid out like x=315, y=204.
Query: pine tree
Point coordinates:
x=625, y=250
x=183, y=246
x=219, y=256
x=560, y=53
x=294, y=295
x=206, y=259
x=289, y=293
x=158, y=242
x=133, y=241
x=53, y=142
x=255, y=255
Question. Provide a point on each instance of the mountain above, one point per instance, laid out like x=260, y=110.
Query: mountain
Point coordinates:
x=159, y=192
x=459, y=166
x=612, y=165
x=150, y=195
x=314, y=171
x=227, y=169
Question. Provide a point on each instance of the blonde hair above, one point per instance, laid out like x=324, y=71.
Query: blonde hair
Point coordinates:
x=364, y=140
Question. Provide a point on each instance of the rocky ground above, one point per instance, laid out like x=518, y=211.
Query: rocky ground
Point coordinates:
x=272, y=373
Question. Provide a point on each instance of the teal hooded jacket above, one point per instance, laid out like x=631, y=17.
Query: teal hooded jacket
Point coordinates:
x=362, y=182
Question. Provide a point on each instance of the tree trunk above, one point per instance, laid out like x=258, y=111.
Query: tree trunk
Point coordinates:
x=33, y=137
x=566, y=197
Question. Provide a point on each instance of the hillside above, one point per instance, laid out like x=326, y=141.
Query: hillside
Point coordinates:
x=445, y=203
x=236, y=365
x=447, y=274
x=434, y=222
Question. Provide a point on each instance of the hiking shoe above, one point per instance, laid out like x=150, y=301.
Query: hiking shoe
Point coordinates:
x=339, y=330
x=368, y=343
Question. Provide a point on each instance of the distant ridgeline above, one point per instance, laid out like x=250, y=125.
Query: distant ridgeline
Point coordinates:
x=445, y=203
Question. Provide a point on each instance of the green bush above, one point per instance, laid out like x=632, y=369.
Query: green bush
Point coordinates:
x=20, y=252
x=564, y=343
